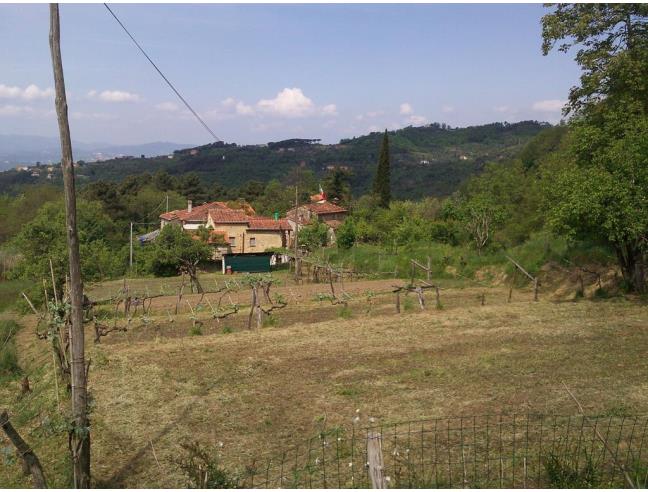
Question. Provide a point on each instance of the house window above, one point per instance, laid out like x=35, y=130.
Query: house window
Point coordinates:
x=232, y=241
x=252, y=242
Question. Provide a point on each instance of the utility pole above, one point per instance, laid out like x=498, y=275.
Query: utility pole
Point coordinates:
x=297, y=265
x=80, y=432
x=130, y=263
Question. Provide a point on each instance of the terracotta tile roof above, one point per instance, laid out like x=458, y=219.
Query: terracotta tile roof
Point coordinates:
x=267, y=224
x=197, y=214
x=290, y=215
x=320, y=209
x=228, y=216
x=325, y=208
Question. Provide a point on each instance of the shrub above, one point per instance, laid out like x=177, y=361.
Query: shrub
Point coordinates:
x=8, y=354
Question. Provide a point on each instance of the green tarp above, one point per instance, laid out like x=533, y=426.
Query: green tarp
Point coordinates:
x=248, y=262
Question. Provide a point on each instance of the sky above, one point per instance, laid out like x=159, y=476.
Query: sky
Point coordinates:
x=259, y=73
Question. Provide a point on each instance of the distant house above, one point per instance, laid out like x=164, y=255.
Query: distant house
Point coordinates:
x=232, y=230
x=320, y=209
x=243, y=233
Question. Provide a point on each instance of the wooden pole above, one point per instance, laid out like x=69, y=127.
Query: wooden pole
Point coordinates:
x=429, y=268
x=375, y=461
x=130, y=260
x=29, y=457
x=80, y=434
x=297, y=266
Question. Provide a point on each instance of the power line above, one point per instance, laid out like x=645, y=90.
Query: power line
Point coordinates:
x=163, y=76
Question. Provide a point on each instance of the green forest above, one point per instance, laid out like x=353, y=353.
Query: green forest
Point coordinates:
x=575, y=192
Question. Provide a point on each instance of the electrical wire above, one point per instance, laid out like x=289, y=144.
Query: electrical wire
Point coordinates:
x=163, y=76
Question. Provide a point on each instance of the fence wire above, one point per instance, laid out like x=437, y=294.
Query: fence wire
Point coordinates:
x=501, y=451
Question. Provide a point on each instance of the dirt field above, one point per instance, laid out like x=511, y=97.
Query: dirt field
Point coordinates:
x=261, y=391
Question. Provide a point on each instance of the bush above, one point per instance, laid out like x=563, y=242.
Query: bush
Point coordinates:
x=8, y=354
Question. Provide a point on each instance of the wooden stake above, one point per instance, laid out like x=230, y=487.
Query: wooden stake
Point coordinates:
x=29, y=457
x=80, y=434
x=375, y=461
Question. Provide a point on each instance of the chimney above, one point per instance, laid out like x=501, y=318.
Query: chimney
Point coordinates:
x=189, y=206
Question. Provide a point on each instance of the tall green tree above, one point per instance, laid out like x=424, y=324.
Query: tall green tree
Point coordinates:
x=337, y=185
x=601, y=189
x=382, y=179
x=611, y=40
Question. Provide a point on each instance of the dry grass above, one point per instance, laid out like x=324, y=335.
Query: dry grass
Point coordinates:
x=257, y=392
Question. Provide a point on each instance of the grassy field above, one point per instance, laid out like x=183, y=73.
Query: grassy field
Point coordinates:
x=317, y=366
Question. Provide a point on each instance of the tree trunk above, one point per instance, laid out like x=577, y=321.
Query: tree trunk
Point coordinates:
x=633, y=266
x=80, y=434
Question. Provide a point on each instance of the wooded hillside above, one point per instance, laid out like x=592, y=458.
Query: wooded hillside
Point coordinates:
x=427, y=160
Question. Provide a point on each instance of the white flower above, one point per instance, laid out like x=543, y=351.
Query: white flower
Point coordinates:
x=317, y=461
x=372, y=420
x=356, y=419
x=387, y=479
x=350, y=465
x=357, y=410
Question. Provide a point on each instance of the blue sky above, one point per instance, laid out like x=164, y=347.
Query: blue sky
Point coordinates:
x=258, y=73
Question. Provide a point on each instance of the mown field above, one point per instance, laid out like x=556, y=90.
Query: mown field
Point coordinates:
x=317, y=366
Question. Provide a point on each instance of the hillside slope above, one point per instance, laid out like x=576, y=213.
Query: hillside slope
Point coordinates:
x=427, y=160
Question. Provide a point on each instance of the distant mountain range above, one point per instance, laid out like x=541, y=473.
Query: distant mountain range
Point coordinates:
x=430, y=160
x=30, y=149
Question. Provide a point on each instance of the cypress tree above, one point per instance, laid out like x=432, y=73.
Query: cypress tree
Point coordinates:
x=381, y=184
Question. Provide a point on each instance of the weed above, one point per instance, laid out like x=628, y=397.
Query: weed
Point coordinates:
x=203, y=469
x=195, y=330
x=350, y=391
x=564, y=474
x=408, y=304
x=227, y=329
x=345, y=312
x=270, y=321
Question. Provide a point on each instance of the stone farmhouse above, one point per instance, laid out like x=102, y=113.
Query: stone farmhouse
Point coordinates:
x=232, y=230
x=319, y=209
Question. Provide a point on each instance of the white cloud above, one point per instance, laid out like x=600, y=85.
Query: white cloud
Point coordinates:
x=29, y=93
x=549, y=105
x=243, y=109
x=329, y=110
x=11, y=110
x=417, y=119
x=114, y=96
x=406, y=108
x=288, y=102
x=447, y=108
x=501, y=109
x=369, y=115
x=231, y=105
x=80, y=115
x=167, y=106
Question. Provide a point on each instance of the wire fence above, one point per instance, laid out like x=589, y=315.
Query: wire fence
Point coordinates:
x=502, y=451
